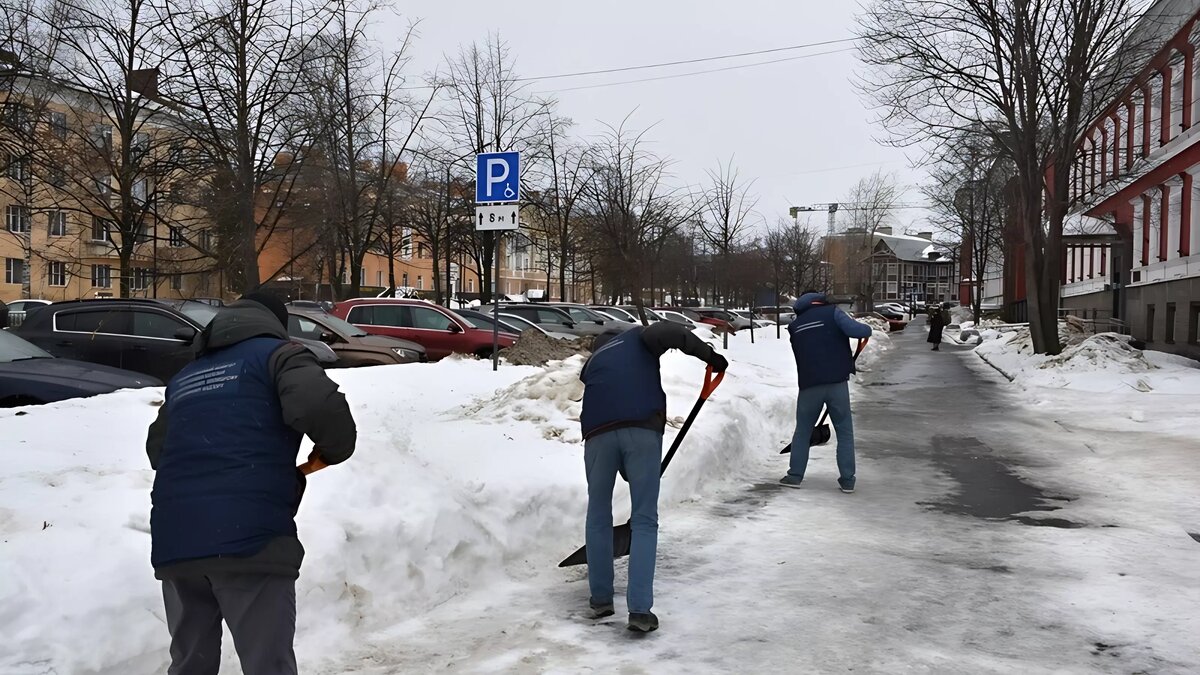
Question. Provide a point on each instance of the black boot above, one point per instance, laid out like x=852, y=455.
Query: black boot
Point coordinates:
x=643, y=623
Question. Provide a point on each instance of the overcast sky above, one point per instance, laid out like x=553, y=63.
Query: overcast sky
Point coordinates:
x=797, y=127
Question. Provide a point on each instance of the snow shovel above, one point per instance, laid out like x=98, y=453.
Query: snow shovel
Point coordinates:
x=820, y=433
x=623, y=534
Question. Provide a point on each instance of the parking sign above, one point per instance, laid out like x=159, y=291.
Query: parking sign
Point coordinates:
x=497, y=177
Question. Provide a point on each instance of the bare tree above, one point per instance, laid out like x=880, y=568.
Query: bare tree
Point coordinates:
x=727, y=209
x=234, y=69
x=968, y=194
x=562, y=202
x=870, y=205
x=1042, y=68
x=491, y=111
x=636, y=209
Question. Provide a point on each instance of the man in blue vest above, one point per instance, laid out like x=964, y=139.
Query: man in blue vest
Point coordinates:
x=821, y=335
x=226, y=487
x=624, y=414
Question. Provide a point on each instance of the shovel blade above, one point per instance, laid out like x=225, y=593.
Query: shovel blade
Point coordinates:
x=622, y=539
x=820, y=436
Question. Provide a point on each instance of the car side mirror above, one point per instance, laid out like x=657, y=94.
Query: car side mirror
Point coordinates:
x=454, y=328
x=329, y=338
x=185, y=334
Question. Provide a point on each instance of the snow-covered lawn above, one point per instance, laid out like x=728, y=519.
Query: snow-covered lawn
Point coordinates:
x=463, y=478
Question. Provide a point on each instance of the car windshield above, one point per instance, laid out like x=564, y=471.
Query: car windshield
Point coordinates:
x=340, y=325
x=650, y=314
x=13, y=348
x=200, y=312
x=619, y=313
x=582, y=314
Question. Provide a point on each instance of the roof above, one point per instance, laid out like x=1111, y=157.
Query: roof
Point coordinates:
x=1077, y=223
x=912, y=249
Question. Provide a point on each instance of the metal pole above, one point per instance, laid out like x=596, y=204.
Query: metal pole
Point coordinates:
x=496, y=309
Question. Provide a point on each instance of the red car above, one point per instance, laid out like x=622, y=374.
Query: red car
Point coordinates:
x=440, y=331
x=705, y=315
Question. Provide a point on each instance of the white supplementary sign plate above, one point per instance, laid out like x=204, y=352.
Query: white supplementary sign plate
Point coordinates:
x=497, y=217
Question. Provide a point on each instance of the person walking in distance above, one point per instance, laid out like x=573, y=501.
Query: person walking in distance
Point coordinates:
x=624, y=414
x=226, y=487
x=820, y=336
x=939, y=318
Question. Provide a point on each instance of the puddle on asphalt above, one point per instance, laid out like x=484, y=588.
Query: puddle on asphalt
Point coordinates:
x=988, y=489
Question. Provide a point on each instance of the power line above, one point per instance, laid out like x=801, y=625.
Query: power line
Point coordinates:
x=666, y=64
x=699, y=72
x=686, y=61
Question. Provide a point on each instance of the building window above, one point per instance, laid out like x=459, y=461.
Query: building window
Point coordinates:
x=177, y=282
x=470, y=285
x=101, y=229
x=1169, y=332
x=404, y=280
x=379, y=278
x=56, y=273
x=17, y=218
x=1149, y=323
x=140, y=145
x=362, y=276
x=406, y=243
x=101, y=276
x=14, y=271
x=141, y=278
x=102, y=137
x=420, y=282
x=206, y=242
x=58, y=125
x=175, y=238
x=57, y=223
x=421, y=250
x=139, y=191
x=56, y=176
x=1194, y=324
x=103, y=185
x=18, y=169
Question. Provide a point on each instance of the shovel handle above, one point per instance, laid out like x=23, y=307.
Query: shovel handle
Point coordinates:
x=711, y=382
x=313, y=464
x=862, y=344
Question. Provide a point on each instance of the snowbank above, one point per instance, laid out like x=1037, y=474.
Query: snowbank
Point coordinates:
x=1099, y=363
x=462, y=478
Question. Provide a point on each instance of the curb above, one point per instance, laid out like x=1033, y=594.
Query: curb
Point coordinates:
x=997, y=368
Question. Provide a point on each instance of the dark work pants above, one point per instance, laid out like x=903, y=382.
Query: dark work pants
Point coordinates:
x=260, y=610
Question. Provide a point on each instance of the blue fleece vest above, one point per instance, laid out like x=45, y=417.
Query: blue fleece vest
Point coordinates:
x=821, y=349
x=226, y=479
x=623, y=385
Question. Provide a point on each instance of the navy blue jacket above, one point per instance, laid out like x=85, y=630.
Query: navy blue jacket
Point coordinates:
x=623, y=386
x=225, y=447
x=820, y=336
x=228, y=484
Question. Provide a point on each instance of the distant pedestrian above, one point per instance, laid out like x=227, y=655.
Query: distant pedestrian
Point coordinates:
x=624, y=414
x=820, y=336
x=227, y=488
x=939, y=318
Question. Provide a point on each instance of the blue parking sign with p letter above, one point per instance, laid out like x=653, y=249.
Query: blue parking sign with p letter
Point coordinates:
x=497, y=177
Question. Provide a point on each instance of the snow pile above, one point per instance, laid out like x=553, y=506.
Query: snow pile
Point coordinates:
x=878, y=325
x=1099, y=363
x=463, y=478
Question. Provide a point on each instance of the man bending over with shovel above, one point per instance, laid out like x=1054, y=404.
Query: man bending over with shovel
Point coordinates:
x=820, y=336
x=624, y=414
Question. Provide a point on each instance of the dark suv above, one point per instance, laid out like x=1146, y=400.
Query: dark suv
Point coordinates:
x=139, y=335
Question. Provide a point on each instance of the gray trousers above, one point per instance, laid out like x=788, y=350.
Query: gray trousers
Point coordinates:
x=260, y=610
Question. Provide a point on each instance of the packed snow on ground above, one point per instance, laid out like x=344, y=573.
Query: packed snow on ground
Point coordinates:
x=463, y=478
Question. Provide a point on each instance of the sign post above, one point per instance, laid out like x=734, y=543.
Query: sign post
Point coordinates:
x=497, y=209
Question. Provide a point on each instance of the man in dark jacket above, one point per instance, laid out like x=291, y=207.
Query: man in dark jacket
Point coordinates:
x=820, y=336
x=624, y=414
x=226, y=487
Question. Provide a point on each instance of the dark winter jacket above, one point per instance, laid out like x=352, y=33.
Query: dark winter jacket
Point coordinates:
x=623, y=386
x=225, y=447
x=938, y=320
x=820, y=341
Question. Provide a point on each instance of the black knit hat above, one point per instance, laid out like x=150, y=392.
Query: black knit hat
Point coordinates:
x=271, y=303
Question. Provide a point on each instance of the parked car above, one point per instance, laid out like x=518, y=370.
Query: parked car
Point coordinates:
x=29, y=375
x=891, y=312
x=782, y=314
x=18, y=310
x=524, y=324
x=676, y=317
x=146, y=336
x=894, y=325
x=553, y=319
x=582, y=314
x=651, y=315
x=318, y=305
x=615, y=312
x=353, y=346
x=202, y=312
x=757, y=321
x=440, y=331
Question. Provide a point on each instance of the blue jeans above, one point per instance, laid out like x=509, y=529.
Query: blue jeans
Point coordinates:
x=808, y=411
x=636, y=454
